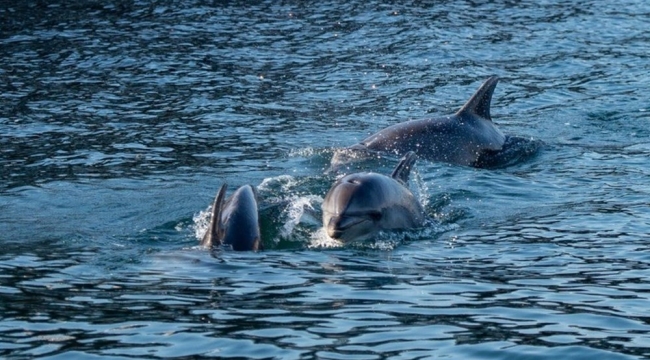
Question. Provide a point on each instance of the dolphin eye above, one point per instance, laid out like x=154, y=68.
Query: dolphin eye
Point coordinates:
x=375, y=215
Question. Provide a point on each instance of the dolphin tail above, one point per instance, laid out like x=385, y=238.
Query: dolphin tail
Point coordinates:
x=211, y=236
x=403, y=169
x=479, y=103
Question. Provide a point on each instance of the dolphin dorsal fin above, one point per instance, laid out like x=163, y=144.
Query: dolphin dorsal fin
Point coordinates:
x=255, y=193
x=479, y=103
x=212, y=234
x=403, y=169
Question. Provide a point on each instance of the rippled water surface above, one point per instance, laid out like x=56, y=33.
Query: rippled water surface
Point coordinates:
x=120, y=119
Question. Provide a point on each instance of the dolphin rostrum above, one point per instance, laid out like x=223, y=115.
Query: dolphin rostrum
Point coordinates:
x=235, y=221
x=463, y=138
x=360, y=205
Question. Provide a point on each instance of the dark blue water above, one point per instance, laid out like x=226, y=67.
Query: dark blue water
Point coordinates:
x=120, y=119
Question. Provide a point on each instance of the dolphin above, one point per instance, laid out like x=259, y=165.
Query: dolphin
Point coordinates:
x=359, y=205
x=468, y=137
x=235, y=221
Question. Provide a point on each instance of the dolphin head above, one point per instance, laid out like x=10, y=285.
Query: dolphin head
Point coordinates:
x=353, y=207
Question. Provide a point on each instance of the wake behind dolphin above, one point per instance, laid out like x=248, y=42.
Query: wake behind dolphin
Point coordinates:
x=234, y=221
x=468, y=137
x=360, y=205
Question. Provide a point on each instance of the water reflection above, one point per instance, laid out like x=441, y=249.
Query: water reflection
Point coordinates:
x=293, y=304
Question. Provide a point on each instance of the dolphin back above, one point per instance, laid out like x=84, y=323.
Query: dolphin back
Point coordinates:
x=403, y=169
x=460, y=138
x=479, y=103
x=242, y=230
x=235, y=221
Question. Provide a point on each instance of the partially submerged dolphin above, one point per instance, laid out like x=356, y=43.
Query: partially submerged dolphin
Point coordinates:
x=235, y=221
x=468, y=137
x=359, y=205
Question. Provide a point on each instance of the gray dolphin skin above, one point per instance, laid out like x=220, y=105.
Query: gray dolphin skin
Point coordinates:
x=461, y=138
x=360, y=205
x=235, y=221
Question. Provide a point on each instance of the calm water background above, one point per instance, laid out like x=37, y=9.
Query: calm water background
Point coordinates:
x=119, y=120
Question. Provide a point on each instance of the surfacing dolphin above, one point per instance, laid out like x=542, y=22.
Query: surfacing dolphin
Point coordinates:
x=235, y=221
x=359, y=205
x=468, y=137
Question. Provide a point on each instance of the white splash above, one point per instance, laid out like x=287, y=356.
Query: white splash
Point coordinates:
x=319, y=240
x=282, y=182
x=421, y=188
x=298, y=211
x=202, y=222
x=304, y=152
